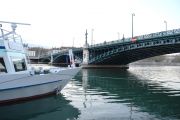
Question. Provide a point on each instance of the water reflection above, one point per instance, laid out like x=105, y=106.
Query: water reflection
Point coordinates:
x=146, y=93
x=133, y=94
x=50, y=108
x=85, y=85
x=166, y=76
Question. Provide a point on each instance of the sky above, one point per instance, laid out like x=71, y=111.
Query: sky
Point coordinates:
x=57, y=23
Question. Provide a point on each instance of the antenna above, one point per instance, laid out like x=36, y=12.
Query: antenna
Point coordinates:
x=14, y=24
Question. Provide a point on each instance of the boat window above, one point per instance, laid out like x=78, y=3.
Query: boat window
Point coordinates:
x=19, y=64
x=2, y=66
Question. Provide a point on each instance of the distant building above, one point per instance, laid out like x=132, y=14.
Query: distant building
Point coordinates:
x=57, y=50
x=39, y=51
x=31, y=53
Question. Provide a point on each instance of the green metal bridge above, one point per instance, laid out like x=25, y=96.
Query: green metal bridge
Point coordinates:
x=125, y=51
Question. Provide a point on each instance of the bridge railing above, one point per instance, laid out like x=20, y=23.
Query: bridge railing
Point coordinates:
x=159, y=34
x=141, y=37
x=111, y=42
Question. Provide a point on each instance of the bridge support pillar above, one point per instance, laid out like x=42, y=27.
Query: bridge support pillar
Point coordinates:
x=86, y=51
x=85, y=56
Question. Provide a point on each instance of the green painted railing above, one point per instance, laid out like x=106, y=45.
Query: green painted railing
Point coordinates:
x=142, y=37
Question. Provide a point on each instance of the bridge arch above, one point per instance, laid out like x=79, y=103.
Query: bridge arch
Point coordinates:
x=128, y=52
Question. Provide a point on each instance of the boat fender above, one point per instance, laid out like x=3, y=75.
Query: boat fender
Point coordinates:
x=41, y=70
x=31, y=72
x=58, y=89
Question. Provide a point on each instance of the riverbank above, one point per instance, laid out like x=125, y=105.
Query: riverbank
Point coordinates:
x=154, y=64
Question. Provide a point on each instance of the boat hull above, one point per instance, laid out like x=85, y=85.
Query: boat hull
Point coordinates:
x=27, y=93
x=34, y=86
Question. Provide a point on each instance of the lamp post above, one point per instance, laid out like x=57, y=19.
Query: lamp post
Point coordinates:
x=118, y=35
x=132, y=23
x=73, y=42
x=165, y=24
x=92, y=30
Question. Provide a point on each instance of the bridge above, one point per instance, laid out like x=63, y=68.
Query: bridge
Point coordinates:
x=124, y=51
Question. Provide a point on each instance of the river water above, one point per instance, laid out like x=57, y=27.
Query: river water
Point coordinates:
x=139, y=93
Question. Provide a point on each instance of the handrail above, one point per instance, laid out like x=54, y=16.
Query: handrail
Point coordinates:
x=141, y=37
x=7, y=35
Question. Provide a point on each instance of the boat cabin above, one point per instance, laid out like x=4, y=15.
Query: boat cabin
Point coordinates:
x=12, y=54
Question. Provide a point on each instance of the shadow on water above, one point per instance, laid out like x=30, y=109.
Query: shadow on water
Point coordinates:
x=127, y=88
x=50, y=108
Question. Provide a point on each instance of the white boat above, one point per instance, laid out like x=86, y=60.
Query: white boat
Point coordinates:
x=17, y=80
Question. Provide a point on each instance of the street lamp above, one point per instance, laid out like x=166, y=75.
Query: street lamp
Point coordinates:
x=92, y=30
x=132, y=23
x=165, y=24
x=73, y=42
x=118, y=35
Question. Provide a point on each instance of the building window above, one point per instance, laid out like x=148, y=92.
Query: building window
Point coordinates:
x=19, y=64
x=2, y=66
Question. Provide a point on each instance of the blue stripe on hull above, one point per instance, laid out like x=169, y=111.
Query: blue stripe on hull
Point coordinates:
x=2, y=47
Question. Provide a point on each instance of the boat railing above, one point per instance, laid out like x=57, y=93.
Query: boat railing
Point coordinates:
x=11, y=40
